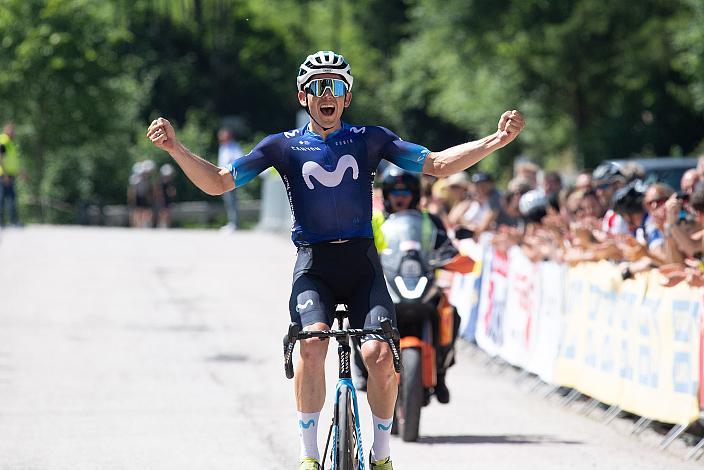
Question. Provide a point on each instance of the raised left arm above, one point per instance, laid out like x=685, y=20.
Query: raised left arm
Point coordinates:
x=460, y=157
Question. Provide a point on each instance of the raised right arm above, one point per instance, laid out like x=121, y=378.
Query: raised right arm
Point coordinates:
x=209, y=178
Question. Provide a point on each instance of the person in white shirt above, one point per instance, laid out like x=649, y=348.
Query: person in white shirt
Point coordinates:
x=228, y=152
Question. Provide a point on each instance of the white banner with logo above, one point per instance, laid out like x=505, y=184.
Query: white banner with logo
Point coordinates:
x=521, y=308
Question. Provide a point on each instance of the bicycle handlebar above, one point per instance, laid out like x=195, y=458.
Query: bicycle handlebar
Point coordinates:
x=389, y=334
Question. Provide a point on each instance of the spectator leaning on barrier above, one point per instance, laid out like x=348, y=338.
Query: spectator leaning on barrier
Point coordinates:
x=628, y=203
x=658, y=236
x=692, y=270
x=682, y=226
x=607, y=179
x=543, y=238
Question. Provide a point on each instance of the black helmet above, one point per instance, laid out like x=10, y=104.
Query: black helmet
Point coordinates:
x=629, y=199
x=396, y=178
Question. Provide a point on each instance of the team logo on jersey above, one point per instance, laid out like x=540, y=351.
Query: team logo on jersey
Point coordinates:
x=292, y=133
x=304, y=305
x=329, y=178
x=358, y=130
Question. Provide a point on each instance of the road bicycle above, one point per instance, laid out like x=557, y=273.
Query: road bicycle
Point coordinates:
x=346, y=452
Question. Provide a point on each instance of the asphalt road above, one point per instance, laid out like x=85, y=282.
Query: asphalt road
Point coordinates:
x=151, y=350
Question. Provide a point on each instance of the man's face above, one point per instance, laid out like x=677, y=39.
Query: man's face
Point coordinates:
x=551, y=185
x=400, y=199
x=584, y=182
x=326, y=110
x=589, y=207
x=605, y=190
x=224, y=136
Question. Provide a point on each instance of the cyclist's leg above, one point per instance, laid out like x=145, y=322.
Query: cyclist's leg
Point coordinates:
x=370, y=304
x=310, y=306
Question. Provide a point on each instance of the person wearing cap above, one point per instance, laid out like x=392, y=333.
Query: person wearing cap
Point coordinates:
x=327, y=167
x=607, y=178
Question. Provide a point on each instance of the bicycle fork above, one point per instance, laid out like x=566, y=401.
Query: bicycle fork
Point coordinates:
x=344, y=381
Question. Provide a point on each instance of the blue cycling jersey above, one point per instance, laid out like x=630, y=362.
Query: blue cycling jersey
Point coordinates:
x=329, y=182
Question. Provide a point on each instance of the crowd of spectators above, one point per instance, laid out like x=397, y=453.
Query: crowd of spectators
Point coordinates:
x=611, y=213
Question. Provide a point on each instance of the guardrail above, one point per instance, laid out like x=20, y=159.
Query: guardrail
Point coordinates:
x=200, y=212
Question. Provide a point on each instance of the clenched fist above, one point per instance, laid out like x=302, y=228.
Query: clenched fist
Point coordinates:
x=510, y=125
x=162, y=134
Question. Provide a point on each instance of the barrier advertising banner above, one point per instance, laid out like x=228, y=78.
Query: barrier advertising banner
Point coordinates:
x=492, y=302
x=634, y=344
x=548, y=322
x=521, y=308
x=661, y=369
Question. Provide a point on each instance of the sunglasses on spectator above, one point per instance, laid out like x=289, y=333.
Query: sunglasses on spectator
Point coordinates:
x=318, y=86
x=655, y=203
x=400, y=192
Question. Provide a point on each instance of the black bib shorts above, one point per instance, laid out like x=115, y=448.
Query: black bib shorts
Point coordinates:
x=327, y=274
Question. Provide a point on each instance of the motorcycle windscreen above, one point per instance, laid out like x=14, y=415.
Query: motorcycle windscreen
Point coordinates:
x=403, y=232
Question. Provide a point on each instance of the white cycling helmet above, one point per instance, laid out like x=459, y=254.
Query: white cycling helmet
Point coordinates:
x=324, y=62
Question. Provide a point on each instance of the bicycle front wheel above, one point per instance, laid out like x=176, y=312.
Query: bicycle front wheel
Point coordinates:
x=347, y=457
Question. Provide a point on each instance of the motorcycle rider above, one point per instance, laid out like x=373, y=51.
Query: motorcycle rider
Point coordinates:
x=401, y=191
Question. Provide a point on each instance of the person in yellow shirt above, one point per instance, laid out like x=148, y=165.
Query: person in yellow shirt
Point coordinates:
x=9, y=169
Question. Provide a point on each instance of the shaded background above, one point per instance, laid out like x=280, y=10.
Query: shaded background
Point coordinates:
x=595, y=80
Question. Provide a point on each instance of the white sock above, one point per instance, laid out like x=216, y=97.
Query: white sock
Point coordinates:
x=308, y=433
x=382, y=433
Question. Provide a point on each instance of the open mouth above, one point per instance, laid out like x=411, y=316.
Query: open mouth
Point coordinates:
x=327, y=110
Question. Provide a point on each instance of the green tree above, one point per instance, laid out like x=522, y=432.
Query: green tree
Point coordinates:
x=73, y=94
x=594, y=79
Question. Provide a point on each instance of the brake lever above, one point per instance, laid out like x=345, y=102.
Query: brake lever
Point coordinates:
x=289, y=343
x=391, y=335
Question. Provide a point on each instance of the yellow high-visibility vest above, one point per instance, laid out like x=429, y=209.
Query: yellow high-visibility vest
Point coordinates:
x=10, y=160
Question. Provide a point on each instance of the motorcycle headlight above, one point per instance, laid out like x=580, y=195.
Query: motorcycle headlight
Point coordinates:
x=410, y=268
x=411, y=293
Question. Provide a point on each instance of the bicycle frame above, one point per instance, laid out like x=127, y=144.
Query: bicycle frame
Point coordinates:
x=341, y=383
x=387, y=332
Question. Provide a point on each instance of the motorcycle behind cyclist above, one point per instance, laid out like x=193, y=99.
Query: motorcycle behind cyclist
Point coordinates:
x=412, y=244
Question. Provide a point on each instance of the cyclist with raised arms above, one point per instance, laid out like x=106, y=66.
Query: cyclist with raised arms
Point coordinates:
x=328, y=168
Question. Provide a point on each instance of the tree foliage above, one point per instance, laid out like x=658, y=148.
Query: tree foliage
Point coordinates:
x=81, y=78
